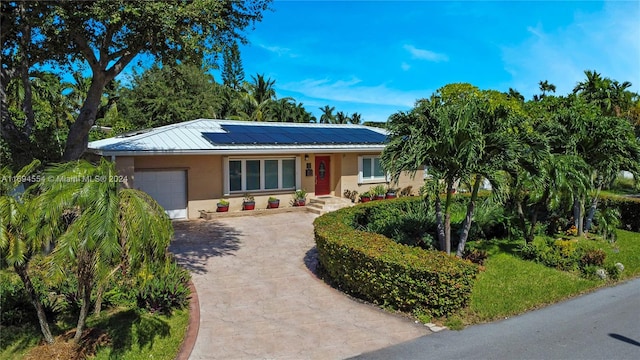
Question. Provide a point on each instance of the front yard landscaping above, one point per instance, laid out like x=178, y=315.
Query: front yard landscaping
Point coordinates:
x=506, y=284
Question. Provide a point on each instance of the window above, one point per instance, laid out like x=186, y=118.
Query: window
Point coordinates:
x=370, y=169
x=245, y=175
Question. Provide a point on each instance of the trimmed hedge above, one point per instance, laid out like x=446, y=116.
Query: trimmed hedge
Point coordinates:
x=629, y=208
x=377, y=269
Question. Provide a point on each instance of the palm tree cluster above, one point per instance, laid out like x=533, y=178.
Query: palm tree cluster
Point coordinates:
x=546, y=158
x=85, y=225
x=328, y=117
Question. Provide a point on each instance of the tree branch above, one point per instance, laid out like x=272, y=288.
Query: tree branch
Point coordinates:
x=85, y=49
x=124, y=60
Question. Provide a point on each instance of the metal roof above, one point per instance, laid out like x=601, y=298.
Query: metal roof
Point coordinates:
x=209, y=136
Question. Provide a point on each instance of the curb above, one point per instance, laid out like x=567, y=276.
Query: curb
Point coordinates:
x=191, y=335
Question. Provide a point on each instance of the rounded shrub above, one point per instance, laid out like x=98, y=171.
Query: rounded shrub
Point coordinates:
x=375, y=268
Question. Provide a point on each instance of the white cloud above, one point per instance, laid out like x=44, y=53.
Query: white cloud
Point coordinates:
x=352, y=90
x=404, y=66
x=606, y=42
x=279, y=50
x=424, y=54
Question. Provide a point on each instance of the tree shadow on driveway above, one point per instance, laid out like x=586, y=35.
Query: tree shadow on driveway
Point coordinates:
x=195, y=242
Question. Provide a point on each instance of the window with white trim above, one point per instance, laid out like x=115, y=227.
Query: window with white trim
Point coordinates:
x=370, y=169
x=247, y=175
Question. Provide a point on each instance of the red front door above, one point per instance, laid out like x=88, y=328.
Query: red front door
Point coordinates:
x=323, y=177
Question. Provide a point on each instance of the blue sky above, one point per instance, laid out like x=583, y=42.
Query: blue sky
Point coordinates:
x=378, y=57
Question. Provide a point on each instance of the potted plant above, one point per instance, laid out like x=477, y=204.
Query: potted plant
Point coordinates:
x=351, y=195
x=378, y=192
x=391, y=193
x=248, y=202
x=299, y=197
x=273, y=203
x=223, y=205
x=365, y=197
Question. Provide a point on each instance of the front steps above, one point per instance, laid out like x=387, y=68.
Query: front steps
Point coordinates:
x=324, y=204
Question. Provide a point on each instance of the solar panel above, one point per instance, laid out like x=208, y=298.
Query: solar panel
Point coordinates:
x=290, y=135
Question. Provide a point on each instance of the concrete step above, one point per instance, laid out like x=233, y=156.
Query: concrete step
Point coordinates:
x=324, y=204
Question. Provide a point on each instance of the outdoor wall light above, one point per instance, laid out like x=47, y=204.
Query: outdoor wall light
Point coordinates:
x=306, y=157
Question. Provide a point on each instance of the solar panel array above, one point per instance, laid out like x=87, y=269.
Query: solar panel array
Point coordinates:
x=293, y=135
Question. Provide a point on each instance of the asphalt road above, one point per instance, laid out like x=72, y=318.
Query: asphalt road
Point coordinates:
x=601, y=325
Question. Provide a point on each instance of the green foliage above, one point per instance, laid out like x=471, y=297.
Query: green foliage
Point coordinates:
x=612, y=271
x=15, y=306
x=170, y=94
x=585, y=256
x=163, y=288
x=406, y=221
x=628, y=207
x=373, y=267
x=378, y=190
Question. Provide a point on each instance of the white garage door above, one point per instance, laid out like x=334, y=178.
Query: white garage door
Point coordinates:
x=168, y=188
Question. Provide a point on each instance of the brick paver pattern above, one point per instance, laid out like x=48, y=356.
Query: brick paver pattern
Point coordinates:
x=260, y=300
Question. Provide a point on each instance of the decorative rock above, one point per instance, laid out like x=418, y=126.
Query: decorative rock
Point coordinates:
x=620, y=267
x=602, y=274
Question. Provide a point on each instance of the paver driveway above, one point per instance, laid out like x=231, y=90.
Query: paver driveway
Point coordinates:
x=260, y=300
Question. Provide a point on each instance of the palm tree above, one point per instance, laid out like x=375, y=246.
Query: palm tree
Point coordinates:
x=620, y=97
x=438, y=135
x=341, y=118
x=110, y=227
x=591, y=86
x=17, y=241
x=546, y=86
x=355, y=118
x=513, y=93
x=327, y=117
x=260, y=88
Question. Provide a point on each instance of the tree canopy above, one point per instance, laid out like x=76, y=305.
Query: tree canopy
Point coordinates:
x=107, y=36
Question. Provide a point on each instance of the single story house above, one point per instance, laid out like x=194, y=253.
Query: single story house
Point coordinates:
x=188, y=167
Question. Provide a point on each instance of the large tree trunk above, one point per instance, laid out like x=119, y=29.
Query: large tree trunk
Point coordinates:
x=78, y=137
x=21, y=270
x=466, y=227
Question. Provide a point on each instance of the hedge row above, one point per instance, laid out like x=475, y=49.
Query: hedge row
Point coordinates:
x=377, y=269
x=629, y=209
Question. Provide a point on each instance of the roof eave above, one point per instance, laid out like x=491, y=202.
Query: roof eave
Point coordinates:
x=245, y=151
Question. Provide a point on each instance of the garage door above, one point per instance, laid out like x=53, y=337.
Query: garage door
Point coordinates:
x=168, y=188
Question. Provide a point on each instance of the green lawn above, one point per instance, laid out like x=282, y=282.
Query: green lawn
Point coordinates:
x=142, y=336
x=628, y=253
x=132, y=335
x=510, y=285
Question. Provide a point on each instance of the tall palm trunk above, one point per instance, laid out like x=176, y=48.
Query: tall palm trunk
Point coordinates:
x=21, y=270
x=85, y=278
x=440, y=223
x=578, y=220
x=466, y=227
x=522, y=220
x=593, y=207
x=447, y=218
